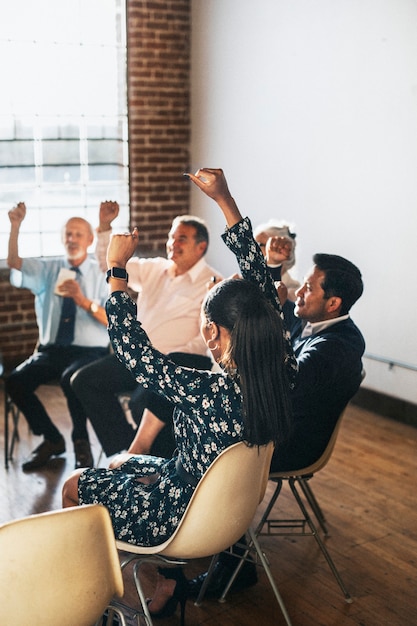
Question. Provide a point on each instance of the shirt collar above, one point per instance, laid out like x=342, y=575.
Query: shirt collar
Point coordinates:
x=193, y=272
x=317, y=327
x=83, y=268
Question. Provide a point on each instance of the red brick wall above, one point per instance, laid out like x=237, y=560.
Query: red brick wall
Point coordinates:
x=158, y=78
x=159, y=115
x=18, y=330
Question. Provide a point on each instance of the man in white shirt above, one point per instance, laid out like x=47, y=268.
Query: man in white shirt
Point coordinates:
x=170, y=292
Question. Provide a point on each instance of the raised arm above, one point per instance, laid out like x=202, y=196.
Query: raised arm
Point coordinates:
x=239, y=238
x=16, y=216
x=214, y=185
x=109, y=210
x=121, y=249
x=240, y=241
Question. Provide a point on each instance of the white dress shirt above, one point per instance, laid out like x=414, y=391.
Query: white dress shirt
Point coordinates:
x=168, y=306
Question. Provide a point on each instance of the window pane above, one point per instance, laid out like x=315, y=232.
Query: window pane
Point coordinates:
x=63, y=116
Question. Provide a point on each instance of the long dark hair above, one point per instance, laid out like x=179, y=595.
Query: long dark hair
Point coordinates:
x=257, y=354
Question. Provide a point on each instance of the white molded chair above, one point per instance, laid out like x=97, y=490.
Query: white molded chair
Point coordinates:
x=60, y=567
x=298, y=480
x=304, y=526
x=219, y=513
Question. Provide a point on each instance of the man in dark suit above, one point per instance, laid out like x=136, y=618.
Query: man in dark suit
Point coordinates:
x=329, y=348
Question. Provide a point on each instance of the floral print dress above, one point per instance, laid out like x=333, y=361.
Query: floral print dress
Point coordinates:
x=207, y=419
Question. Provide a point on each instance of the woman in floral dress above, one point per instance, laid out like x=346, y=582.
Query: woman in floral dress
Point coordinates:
x=248, y=400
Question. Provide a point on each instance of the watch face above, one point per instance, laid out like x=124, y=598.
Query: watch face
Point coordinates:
x=117, y=272
x=93, y=307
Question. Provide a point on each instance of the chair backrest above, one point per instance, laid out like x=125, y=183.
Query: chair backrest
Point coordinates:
x=325, y=457
x=222, y=506
x=321, y=461
x=60, y=567
x=224, y=502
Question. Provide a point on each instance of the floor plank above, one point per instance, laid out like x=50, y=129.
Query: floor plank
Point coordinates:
x=367, y=492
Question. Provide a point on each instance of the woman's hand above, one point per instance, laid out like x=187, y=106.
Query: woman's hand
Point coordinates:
x=121, y=248
x=213, y=183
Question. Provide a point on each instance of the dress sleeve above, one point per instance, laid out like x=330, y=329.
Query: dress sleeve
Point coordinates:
x=150, y=368
x=239, y=239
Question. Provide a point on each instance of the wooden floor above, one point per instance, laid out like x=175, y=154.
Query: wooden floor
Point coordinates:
x=368, y=494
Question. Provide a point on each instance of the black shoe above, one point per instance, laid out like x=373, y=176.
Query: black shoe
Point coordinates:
x=247, y=577
x=180, y=593
x=83, y=454
x=41, y=455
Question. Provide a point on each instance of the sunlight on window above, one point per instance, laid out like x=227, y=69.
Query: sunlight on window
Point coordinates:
x=63, y=116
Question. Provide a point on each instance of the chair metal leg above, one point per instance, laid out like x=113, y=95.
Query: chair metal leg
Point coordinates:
x=252, y=545
x=311, y=499
x=111, y=612
x=242, y=558
x=139, y=590
x=313, y=529
x=139, y=560
x=270, y=506
x=141, y=594
x=265, y=565
x=6, y=431
x=207, y=580
x=10, y=411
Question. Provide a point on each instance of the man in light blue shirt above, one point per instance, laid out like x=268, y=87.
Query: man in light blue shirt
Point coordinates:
x=69, y=296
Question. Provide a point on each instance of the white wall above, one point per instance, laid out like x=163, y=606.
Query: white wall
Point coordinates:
x=310, y=107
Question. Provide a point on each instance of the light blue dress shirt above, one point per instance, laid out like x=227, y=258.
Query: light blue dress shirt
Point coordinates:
x=39, y=275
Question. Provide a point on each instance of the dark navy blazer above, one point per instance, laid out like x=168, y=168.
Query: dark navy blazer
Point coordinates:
x=330, y=372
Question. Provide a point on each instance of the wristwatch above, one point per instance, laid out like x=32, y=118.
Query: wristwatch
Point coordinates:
x=117, y=272
x=93, y=308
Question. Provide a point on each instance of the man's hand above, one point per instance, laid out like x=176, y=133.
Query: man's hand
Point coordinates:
x=17, y=214
x=71, y=289
x=282, y=292
x=109, y=210
x=278, y=250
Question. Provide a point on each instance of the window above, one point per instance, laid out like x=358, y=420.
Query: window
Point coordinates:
x=63, y=116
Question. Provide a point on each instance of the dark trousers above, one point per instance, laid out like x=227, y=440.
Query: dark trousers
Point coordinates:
x=50, y=363
x=99, y=385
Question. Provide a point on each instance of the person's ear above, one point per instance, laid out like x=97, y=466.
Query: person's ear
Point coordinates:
x=214, y=330
x=334, y=304
x=202, y=247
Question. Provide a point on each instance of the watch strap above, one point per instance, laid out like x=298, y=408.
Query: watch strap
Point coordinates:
x=117, y=272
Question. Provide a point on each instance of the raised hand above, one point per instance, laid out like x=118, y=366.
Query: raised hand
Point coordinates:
x=277, y=250
x=109, y=210
x=17, y=214
x=121, y=248
x=213, y=183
